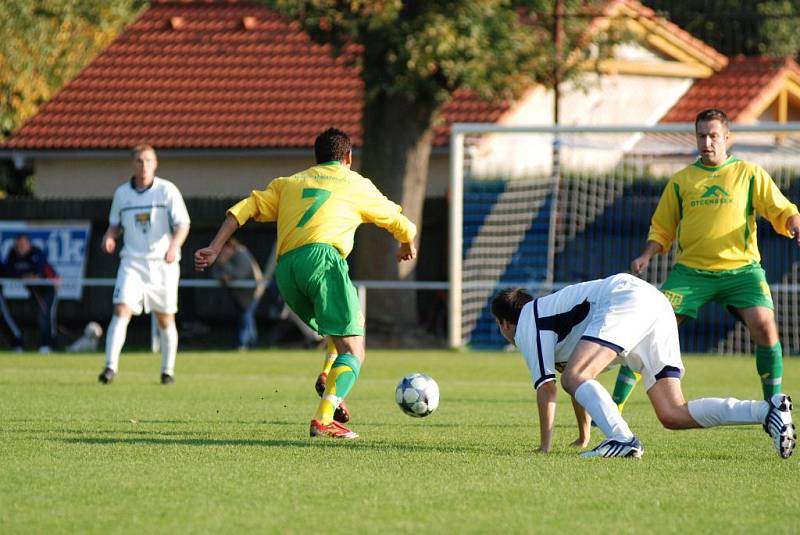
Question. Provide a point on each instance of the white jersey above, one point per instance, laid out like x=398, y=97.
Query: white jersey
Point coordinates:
x=148, y=218
x=618, y=312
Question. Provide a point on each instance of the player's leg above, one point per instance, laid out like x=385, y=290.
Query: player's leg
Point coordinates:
x=626, y=382
x=760, y=322
x=162, y=296
x=747, y=293
x=588, y=360
x=168, y=338
x=338, y=313
x=342, y=413
x=674, y=412
x=128, y=299
x=115, y=338
x=314, y=283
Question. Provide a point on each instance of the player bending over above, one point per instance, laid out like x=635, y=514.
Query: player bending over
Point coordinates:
x=318, y=211
x=589, y=325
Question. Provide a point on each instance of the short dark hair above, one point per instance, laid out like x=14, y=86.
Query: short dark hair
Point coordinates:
x=712, y=114
x=508, y=303
x=331, y=146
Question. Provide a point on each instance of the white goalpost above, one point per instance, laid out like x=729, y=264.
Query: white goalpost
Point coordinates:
x=544, y=206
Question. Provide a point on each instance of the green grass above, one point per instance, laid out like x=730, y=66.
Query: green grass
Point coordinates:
x=226, y=450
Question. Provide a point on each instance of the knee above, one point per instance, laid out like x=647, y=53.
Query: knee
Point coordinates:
x=671, y=419
x=764, y=332
x=570, y=381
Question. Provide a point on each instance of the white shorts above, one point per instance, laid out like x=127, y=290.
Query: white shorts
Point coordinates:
x=147, y=285
x=635, y=319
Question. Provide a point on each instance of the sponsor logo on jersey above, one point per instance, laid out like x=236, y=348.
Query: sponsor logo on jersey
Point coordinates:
x=714, y=195
x=675, y=299
x=142, y=221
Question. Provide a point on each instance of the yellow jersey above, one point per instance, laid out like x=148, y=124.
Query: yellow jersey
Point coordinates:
x=323, y=204
x=711, y=213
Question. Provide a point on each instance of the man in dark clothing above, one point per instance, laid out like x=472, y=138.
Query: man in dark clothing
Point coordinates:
x=236, y=263
x=26, y=261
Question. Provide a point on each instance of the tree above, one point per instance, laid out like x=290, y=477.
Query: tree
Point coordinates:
x=767, y=27
x=45, y=44
x=413, y=56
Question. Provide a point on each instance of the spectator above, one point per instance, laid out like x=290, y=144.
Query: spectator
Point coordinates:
x=236, y=263
x=10, y=326
x=26, y=261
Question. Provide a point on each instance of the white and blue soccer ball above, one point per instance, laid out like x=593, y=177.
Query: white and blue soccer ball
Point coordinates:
x=417, y=395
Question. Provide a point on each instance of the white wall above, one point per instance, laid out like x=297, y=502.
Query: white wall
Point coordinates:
x=203, y=176
x=602, y=100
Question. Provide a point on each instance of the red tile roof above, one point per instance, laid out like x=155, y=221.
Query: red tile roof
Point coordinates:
x=736, y=89
x=207, y=74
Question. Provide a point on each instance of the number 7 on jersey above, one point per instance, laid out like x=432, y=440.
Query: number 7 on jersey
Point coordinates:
x=321, y=195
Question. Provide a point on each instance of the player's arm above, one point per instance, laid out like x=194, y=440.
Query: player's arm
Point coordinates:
x=380, y=211
x=546, y=401
x=206, y=256
x=584, y=424
x=260, y=205
x=109, y=241
x=774, y=206
x=178, y=237
x=662, y=227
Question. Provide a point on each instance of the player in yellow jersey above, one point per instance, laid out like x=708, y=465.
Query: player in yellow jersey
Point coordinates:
x=710, y=209
x=317, y=211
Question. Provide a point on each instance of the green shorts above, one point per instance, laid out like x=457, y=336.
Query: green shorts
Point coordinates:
x=689, y=289
x=314, y=281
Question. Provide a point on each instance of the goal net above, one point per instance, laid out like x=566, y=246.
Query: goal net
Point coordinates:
x=543, y=207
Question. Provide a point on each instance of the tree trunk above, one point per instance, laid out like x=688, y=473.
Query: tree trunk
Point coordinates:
x=397, y=137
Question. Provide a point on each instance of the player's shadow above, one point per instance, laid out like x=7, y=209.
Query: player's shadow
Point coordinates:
x=282, y=443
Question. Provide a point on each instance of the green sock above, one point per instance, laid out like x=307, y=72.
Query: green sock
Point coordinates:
x=769, y=364
x=341, y=379
x=346, y=378
x=626, y=380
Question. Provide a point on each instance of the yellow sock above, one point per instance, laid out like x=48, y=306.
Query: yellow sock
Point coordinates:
x=330, y=356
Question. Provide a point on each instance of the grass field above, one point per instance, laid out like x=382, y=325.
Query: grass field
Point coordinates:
x=226, y=450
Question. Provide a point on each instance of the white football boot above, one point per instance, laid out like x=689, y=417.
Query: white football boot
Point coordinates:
x=778, y=424
x=616, y=448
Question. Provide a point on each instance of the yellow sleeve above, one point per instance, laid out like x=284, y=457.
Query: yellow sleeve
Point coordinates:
x=771, y=203
x=666, y=217
x=260, y=205
x=380, y=211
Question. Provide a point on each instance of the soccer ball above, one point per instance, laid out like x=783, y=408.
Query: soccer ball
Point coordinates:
x=417, y=394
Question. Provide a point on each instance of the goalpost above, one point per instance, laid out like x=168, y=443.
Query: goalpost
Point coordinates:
x=543, y=206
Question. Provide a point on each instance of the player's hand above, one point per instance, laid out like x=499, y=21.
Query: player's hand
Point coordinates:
x=108, y=244
x=204, y=258
x=639, y=264
x=580, y=442
x=407, y=251
x=172, y=255
x=796, y=235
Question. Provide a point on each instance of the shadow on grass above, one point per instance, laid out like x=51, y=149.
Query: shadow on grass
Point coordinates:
x=363, y=444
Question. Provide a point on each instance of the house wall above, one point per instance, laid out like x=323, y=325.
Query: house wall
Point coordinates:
x=200, y=176
x=600, y=100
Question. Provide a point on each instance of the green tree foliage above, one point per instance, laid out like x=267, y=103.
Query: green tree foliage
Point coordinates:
x=45, y=43
x=736, y=27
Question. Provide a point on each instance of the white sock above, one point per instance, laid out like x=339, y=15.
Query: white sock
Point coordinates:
x=598, y=403
x=169, y=348
x=115, y=339
x=710, y=412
